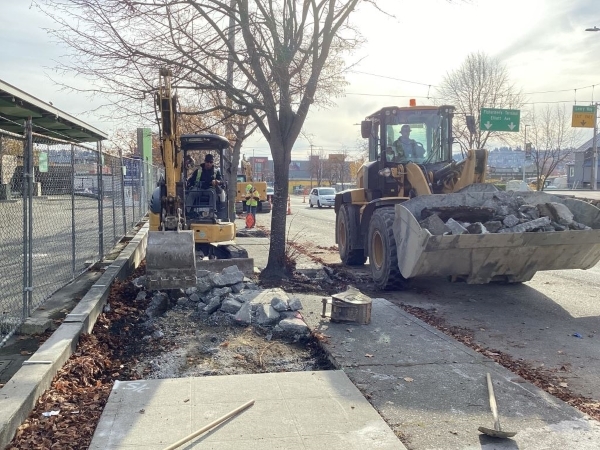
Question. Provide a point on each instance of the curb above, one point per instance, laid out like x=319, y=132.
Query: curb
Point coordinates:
x=20, y=394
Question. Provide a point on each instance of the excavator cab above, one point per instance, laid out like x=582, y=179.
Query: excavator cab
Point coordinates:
x=205, y=229
x=204, y=203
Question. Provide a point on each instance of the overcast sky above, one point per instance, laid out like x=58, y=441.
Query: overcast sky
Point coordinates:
x=543, y=43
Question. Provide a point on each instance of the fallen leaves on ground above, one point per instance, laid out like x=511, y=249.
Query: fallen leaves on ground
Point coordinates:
x=81, y=387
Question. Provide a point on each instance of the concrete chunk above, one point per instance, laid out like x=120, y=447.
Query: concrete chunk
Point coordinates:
x=33, y=325
x=293, y=326
x=528, y=226
x=510, y=221
x=295, y=304
x=158, y=305
x=244, y=315
x=213, y=304
x=266, y=315
x=477, y=228
x=529, y=212
x=434, y=225
x=493, y=226
x=228, y=277
x=455, y=228
x=279, y=304
x=231, y=305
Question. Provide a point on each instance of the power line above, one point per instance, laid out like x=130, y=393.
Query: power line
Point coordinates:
x=433, y=85
x=392, y=78
x=561, y=90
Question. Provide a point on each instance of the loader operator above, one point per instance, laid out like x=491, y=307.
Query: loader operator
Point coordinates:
x=205, y=176
x=407, y=148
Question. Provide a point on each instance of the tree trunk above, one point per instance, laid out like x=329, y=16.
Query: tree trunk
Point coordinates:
x=232, y=186
x=277, y=266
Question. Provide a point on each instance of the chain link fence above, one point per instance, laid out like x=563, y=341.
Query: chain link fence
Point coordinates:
x=63, y=207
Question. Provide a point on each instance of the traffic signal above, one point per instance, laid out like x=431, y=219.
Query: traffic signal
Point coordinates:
x=528, y=150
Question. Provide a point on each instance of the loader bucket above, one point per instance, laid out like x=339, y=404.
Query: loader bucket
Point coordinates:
x=481, y=258
x=170, y=260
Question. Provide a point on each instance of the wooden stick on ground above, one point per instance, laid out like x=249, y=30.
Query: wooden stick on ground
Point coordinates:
x=210, y=425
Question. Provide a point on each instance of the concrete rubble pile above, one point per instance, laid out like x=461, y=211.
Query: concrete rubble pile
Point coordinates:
x=231, y=293
x=503, y=214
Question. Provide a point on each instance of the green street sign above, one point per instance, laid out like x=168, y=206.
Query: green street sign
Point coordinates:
x=492, y=119
x=584, y=109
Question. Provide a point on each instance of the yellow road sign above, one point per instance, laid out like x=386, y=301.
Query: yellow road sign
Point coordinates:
x=583, y=116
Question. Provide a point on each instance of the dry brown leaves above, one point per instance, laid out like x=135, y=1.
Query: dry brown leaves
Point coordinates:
x=81, y=388
x=548, y=380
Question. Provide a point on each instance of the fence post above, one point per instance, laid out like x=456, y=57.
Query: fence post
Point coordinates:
x=114, y=212
x=27, y=219
x=73, y=243
x=122, y=178
x=100, y=202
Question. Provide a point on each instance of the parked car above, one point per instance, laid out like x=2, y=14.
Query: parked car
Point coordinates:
x=322, y=196
x=270, y=193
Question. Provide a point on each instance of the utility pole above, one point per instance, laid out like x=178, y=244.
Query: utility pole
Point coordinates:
x=310, y=165
x=525, y=153
x=594, y=174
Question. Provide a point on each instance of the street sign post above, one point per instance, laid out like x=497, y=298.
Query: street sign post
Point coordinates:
x=528, y=151
x=583, y=116
x=493, y=119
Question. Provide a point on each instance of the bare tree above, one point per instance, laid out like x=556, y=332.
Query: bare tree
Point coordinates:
x=283, y=54
x=337, y=167
x=481, y=81
x=316, y=164
x=553, y=140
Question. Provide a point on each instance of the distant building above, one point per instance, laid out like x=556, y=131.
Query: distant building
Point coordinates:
x=579, y=172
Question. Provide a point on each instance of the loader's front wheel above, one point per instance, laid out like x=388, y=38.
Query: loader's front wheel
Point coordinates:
x=383, y=257
x=345, y=223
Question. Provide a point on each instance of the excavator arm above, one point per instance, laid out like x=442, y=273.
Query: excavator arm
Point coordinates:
x=170, y=254
x=171, y=202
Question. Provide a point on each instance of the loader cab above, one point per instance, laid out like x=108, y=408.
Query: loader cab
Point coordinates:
x=399, y=135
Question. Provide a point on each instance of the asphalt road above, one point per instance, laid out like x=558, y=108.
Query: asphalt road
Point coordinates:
x=536, y=321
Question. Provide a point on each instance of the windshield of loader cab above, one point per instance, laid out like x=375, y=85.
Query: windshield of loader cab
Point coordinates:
x=415, y=135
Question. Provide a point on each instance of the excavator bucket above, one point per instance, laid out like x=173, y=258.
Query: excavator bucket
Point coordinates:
x=170, y=260
x=504, y=256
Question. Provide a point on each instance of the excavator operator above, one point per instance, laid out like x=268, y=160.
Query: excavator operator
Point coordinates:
x=205, y=176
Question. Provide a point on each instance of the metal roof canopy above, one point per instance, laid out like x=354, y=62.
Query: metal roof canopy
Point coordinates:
x=17, y=106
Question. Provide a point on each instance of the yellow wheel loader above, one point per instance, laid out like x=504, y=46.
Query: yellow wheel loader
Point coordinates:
x=186, y=220
x=411, y=176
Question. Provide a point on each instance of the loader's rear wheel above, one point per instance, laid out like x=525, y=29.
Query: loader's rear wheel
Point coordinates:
x=383, y=257
x=345, y=230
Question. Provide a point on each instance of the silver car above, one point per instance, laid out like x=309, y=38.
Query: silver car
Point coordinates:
x=322, y=196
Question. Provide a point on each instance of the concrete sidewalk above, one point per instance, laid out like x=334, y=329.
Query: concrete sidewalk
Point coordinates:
x=296, y=410
x=432, y=389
